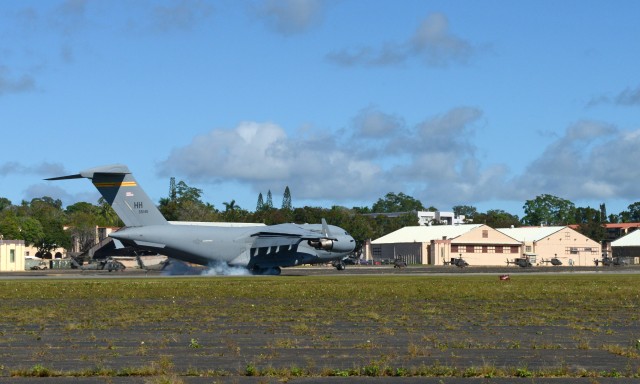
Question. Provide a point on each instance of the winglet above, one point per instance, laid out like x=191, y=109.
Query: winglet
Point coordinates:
x=325, y=228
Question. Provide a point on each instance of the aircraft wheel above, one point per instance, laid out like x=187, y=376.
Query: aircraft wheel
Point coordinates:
x=340, y=266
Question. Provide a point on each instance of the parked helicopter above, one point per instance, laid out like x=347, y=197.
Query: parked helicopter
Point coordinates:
x=458, y=262
x=554, y=261
x=109, y=264
x=522, y=262
x=608, y=261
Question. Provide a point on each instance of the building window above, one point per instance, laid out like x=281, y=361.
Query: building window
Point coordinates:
x=485, y=249
x=454, y=248
x=514, y=249
x=477, y=249
x=498, y=249
x=377, y=251
x=12, y=255
x=485, y=233
x=491, y=249
x=527, y=249
x=469, y=248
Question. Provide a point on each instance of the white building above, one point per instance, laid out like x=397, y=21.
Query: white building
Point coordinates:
x=428, y=217
x=627, y=247
x=11, y=255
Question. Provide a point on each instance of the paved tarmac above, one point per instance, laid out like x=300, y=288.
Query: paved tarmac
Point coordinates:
x=326, y=270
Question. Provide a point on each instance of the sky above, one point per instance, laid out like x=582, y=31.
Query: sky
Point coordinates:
x=481, y=103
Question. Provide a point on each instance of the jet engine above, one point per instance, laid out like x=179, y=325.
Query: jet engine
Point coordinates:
x=324, y=244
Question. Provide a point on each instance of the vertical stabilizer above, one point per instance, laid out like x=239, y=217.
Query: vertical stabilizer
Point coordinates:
x=118, y=187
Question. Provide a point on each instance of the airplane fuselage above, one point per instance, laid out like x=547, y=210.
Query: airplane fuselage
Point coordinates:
x=236, y=246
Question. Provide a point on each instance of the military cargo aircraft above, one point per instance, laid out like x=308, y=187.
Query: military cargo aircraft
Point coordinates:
x=261, y=249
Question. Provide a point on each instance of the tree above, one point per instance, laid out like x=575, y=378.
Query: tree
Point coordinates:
x=603, y=213
x=634, y=212
x=269, y=203
x=361, y=209
x=590, y=223
x=82, y=226
x=260, y=204
x=497, y=218
x=107, y=216
x=613, y=218
x=233, y=213
x=49, y=213
x=196, y=211
x=548, y=210
x=397, y=203
x=30, y=230
x=286, y=199
x=10, y=225
x=184, y=204
x=4, y=203
x=468, y=211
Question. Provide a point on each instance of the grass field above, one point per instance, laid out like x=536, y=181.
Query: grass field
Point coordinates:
x=170, y=329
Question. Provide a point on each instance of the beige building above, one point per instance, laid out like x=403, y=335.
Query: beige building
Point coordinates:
x=11, y=255
x=477, y=244
x=541, y=244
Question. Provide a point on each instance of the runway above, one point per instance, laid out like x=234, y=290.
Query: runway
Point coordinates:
x=325, y=270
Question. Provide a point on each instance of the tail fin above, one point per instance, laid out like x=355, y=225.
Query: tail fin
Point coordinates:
x=122, y=192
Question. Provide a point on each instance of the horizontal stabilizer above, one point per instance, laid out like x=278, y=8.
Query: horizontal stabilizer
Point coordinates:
x=116, y=169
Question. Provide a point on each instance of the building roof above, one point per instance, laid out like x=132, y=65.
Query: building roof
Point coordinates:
x=622, y=225
x=523, y=234
x=423, y=234
x=630, y=240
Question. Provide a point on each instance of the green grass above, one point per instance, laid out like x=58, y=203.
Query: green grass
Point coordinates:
x=438, y=315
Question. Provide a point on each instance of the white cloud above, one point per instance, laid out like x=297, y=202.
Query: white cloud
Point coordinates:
x=180, y=15
x=262, y=154
x=435, y=161
x=44, y=169
x=289, y=17
x=10, y=84
x=432, y=42
x=593, y=160
x=373, y=123
x=629, y=97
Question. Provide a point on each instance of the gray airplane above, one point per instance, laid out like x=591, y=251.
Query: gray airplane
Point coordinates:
x=261, y=249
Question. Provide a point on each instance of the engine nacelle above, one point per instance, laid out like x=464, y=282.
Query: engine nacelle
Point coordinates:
x=324, y=244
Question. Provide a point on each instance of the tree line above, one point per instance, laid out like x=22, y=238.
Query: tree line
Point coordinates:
x=45, y=224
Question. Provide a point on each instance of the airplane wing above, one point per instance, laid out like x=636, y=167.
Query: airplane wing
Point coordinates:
x=285, y=235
